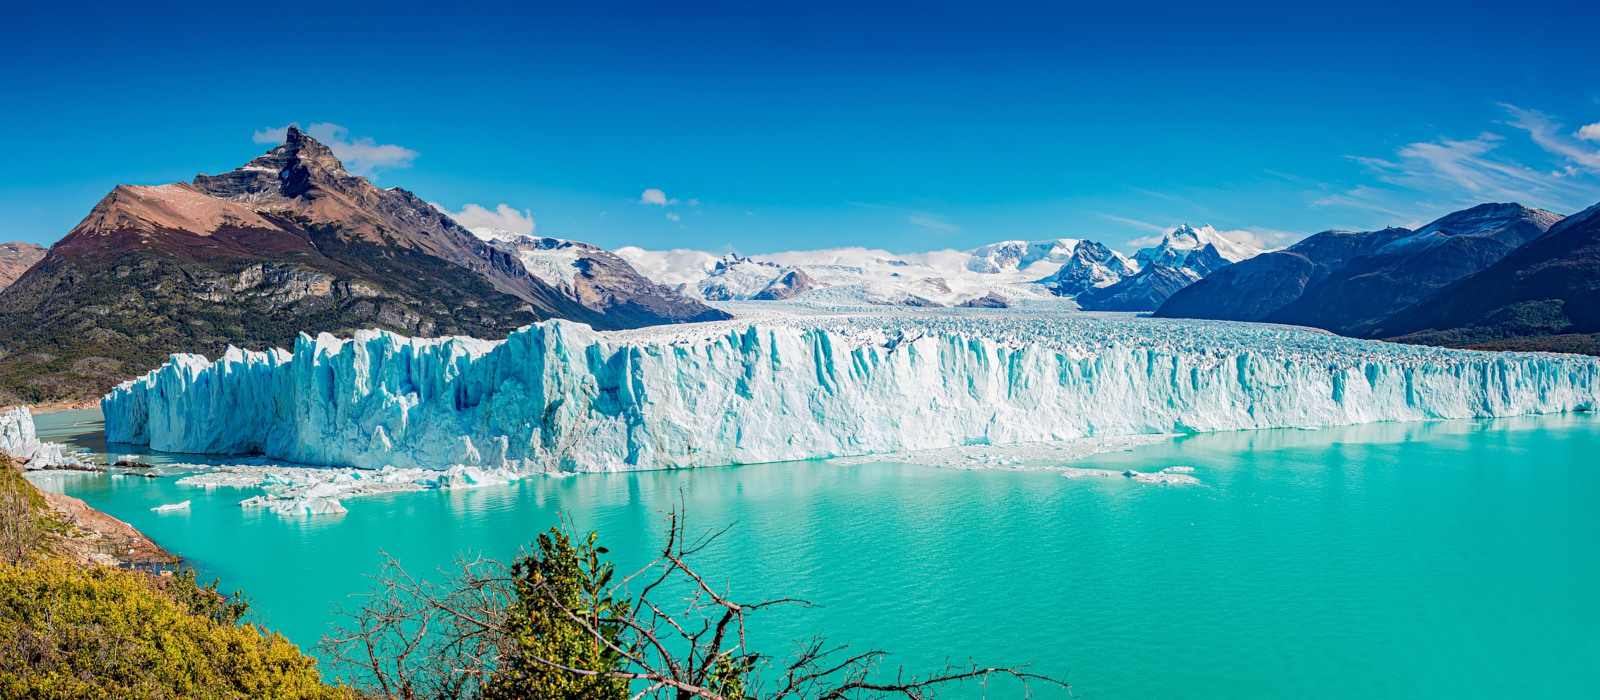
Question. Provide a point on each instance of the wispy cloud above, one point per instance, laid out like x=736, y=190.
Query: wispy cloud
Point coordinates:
x=1137, y=223
x=1547, y=133
x=1426, y=176
x=501, y=217
x=361, y=155
x=931, y=223
x=656, y=197
x=672, y=216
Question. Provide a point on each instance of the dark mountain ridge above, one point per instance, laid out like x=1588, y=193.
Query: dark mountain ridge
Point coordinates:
x=1406, y=270
x=1349, y=283
x=1545, y=295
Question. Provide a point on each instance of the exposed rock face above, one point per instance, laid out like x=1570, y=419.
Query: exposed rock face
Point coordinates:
x=1545, y=295
x=1091, y=265
x=1253, y=289
x=1156, y=281
x=290, y=242
x=608, y=292
x=15, y=259
x=987, y=301
x=789, y=285
x=1142, y=292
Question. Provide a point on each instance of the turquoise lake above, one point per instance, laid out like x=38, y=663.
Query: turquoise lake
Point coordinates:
x=1453, y=559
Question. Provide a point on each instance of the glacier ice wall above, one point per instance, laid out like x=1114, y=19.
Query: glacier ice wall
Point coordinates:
x=20, y=439
x=558, y=396
x=17, y=436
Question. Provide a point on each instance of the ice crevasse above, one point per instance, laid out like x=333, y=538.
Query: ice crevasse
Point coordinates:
x=557, y=396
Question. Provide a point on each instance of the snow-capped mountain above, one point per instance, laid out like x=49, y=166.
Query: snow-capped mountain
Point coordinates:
x=1008, y=270
x=986, y=276
x=1010, y=256
x=1185, y=255
x=1176, y=246
x=1091, y=265
x=595, y=279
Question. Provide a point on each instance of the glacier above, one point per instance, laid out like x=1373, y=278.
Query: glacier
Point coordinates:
x=20, y=440
x=559, y=397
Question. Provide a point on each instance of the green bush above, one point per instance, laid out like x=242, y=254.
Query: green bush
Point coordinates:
x=71, y=632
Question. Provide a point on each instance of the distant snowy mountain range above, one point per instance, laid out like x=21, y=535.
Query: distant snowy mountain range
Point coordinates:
x=993, y=275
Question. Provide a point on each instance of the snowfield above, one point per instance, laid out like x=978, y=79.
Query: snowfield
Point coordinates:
x=789, y=381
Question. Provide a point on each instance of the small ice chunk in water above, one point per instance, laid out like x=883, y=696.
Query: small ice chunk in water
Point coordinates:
x=171, y=506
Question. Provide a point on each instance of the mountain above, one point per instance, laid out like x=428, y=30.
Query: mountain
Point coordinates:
x=1091, y=265
x=1252, y=289
x=1404, y=271
x=789, y=285
x=1184, y=256
x=599, y=281
x=1545, y=295
x=289, y=242
x=1348, y=282
x=1006, y=272
x=1010, y=256
x=1142, y=292
x=1178, y=244
x=15, y=259
x=1008, y=269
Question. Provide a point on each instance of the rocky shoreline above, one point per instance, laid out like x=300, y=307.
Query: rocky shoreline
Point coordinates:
x=96, y=538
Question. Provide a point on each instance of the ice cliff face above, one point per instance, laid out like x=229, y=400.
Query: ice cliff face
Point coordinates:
x=559, y=397
x=17, y=436
x=19, y=439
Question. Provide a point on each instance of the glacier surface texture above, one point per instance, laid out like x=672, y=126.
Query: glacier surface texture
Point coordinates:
x=558, y=396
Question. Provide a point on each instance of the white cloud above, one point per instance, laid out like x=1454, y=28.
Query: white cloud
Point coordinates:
x=1258, y=238
x=361, y=156
x=1144, y=242
x=271, y=135
x=672, y=216
x=502, y=217
x=1590, y=132
x=694, y=202
x=656, y=197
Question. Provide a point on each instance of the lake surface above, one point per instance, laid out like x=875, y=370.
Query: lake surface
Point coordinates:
x=1419, y=560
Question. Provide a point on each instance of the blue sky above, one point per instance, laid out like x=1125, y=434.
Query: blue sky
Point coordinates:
x=906, y=126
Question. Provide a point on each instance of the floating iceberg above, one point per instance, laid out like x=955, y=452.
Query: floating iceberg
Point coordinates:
x=315, y=491
x=171, y=507
x=558, y=396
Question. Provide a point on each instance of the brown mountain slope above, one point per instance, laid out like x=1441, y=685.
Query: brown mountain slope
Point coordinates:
x=15, y=259
x=288, y=243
